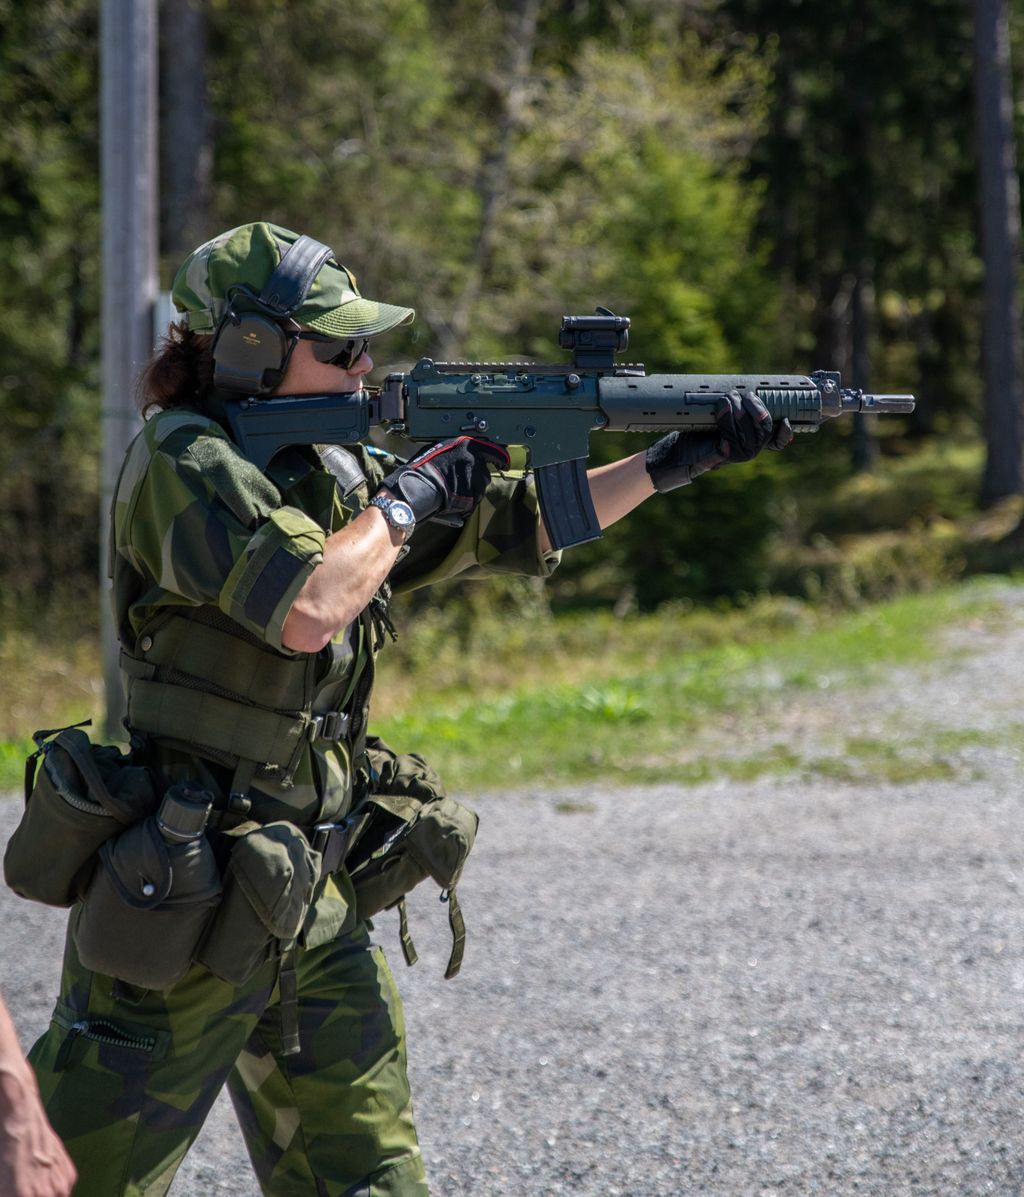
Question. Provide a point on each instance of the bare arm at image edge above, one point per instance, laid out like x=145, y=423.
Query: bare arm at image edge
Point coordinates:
x=33, y=1161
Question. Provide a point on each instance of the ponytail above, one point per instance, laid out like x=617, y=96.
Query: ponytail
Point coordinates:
x=179, y=373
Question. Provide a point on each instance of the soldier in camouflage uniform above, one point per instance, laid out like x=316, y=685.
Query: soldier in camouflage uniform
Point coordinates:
x=250, y=607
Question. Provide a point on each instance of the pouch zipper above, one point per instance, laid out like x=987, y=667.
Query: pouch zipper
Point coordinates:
x=73, y=800
x=92, y=808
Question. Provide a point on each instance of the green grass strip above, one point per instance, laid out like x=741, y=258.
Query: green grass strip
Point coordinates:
x=659, y=691
x=648, y=726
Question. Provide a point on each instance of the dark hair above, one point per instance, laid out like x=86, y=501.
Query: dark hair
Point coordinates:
x=179, y=373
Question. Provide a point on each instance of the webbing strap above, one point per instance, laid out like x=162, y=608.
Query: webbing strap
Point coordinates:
x=357, y=698
x=288, y=982
x=95, y=784
x=78, y=748
x=458, y=926
x=196, y=717
x=408, y=948
x=455, y=922
x=225, y=660
x=241, y=779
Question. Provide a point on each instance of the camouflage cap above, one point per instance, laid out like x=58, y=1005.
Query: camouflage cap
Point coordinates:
x=249, y=255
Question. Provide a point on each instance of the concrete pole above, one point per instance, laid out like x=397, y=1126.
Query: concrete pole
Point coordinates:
x=128, y=136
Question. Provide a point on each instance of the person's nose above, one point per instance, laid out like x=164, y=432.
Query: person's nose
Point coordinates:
x=363, y=364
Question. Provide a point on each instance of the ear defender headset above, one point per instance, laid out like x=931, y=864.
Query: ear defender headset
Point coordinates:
x=251, y=349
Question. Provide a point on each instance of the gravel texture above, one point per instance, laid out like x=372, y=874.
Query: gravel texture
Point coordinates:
x=790, y=986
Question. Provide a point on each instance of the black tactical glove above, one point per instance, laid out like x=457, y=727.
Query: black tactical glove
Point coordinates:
x=446, y=480
x=743, y=429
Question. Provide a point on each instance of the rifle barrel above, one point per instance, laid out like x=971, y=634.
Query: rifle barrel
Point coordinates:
x=880, y=404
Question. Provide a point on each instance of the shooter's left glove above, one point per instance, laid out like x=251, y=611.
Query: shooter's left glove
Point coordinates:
x=743, y=427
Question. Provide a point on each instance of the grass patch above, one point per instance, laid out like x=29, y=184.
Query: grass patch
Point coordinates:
x=860, y=761
x=507, y=701
x=47, y=679
x=647, y=723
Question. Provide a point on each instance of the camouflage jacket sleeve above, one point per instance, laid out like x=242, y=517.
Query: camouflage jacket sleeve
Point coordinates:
x=195, y=522
x=500, y=537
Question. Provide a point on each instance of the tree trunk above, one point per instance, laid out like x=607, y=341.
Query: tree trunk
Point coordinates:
x=494, y=175
x=860, y=201
x=999, y=196
x=864, y=453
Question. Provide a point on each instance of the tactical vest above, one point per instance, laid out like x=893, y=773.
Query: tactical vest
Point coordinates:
x=199, y=682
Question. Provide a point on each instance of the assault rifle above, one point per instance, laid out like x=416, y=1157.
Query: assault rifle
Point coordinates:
x=551, y=410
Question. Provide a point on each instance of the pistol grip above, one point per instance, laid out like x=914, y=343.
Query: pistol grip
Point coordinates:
x=565, y=503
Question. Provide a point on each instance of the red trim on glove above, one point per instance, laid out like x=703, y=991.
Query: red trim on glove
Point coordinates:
x=442, y=447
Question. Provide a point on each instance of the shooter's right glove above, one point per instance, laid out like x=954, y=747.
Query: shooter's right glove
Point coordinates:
x=743, y=428
x=446, y=480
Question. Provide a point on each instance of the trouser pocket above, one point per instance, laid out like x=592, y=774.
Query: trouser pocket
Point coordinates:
x=268, y=887
x=141, y=1043
x=150, y=900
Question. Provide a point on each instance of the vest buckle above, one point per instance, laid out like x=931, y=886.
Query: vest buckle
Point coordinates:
x=332, y=725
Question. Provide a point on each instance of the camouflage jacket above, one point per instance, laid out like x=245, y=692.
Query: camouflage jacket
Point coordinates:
x=198, y=530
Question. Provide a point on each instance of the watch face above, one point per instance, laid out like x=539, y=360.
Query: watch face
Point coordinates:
x=400, y=514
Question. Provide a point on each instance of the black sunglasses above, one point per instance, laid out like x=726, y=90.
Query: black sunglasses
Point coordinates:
x=333, y=351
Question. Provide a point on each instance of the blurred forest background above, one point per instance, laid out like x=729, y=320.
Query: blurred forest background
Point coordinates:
x=773, y=185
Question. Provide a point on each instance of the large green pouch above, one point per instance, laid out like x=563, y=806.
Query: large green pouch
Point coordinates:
x=82, y=796
x=269, y=884
x=405, y=841
x=410, y=830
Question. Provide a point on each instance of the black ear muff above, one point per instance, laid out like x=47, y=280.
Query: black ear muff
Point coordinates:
x=249, y=353
x=250, y=349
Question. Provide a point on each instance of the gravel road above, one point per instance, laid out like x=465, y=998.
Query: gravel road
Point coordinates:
x=787, y=986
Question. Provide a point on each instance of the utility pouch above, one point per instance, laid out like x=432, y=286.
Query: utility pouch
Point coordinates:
x=82, y=796
x=410, y=834
x=271, y=876
x=152, y=896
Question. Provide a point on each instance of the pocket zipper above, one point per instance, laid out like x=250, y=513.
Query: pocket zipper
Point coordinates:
x=103, y=1032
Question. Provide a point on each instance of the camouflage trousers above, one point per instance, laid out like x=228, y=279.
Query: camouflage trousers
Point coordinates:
x=128, y=1077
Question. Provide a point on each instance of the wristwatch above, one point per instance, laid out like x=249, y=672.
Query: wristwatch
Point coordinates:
x=398, y=514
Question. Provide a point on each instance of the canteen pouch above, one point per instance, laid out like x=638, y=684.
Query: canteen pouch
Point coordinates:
x=147, y=906
x=81, y=796
x=269, y=883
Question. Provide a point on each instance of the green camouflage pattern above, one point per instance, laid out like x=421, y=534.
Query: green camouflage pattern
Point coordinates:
x=128, y=1077
x=249, y=255
x=196, y=524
